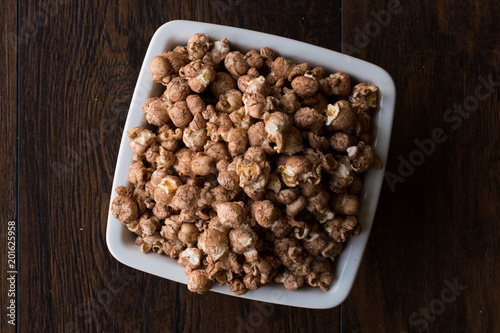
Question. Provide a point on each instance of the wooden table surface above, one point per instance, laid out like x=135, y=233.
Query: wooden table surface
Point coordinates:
x=433, y=259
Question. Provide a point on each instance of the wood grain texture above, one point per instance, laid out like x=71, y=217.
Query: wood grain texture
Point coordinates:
x=441, y=223
x=79, y=65
x=8, y=123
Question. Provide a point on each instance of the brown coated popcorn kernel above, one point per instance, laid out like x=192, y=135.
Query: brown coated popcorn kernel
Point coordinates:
x=124, y=209
x=177, y=90
x=250, y=167
x=199, y=282
x=197, y=46
x=364, y=95
x=199, y=75
x=179, y=114
x=160, y=68
x=235, y=63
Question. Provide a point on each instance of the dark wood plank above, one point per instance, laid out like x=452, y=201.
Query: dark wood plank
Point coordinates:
x=8, y=171
x=440, y=224
x=78, y=71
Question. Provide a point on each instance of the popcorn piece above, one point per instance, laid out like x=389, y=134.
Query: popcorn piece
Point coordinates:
x=340, y=116
x=155, y=242
x=282, y=67
x=315, y=242
x=254, y=59
x=345, y=204
x=218, y=150
x=220, y=50
x=257, y=136
x=237, y=141
x=241, y=118
x=340, y=180
x=300, y=229
x=152, y=153
x=237, y=287
x=244, y=81
x=316, y=142
x=155, y=110
x=256, y=105
x=166, y=189
x=265, y=213
x=332, y=250
x=341, y=228
x=197, y=46
x=253, y=178
x=176, y=59
x=242, y=240
x=287, y=196
x=340, y=141
x=214, y=243
x=165, y=159
x=299, y=169
x=177, y=90
x=183, y=162
x=162, y=211
x=251, y=282
x=310, y=119
x=320, y=274
x=363, y=157
x=156, y=177
x=169, y=137
x=296, y=206
x=365, y=96
x=256, y=85
x=293, y=282
x=171, y=227
x=276, y=125
x=171, y=248
x=229, y=180
x=319, y=201
x=289, y=101
x=198, y=281
x=191, y=257
x=231, y=214
x=338, y=84
x=268, y=53
x=124, y=209
x=179, y=114
x=305, y=86
x=188, y=234
x=293, y=142
x=160, y=69
x=281, y=228
x=195, y=135
x=235, y=63
x=229, y=101
x=290, y=252
x=298, y=70
x=238, y=176
x=140, y=139
x=149, y=225
x=199, y=75
x=195, y=104
x=203, y=165
x=185, y=198
x=138, y=174
x=222, y=83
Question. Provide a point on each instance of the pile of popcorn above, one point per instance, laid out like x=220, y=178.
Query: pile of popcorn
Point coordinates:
x=249, y=169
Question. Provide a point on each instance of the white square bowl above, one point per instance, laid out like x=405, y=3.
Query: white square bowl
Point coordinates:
x=121, y=241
